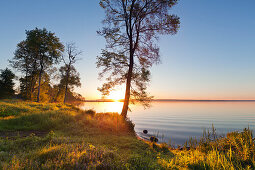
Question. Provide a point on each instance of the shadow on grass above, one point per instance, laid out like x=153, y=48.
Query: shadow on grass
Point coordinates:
x=198, y=166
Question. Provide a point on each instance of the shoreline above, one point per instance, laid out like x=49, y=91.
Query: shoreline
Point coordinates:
x=173, y=100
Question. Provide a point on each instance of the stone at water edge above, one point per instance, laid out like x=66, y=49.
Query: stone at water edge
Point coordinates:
x=153, y=139
x=145, y=131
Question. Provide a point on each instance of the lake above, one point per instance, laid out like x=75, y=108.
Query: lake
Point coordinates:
x=180, y=120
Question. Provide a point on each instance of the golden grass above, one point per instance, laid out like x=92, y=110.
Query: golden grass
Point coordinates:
x=77, y=139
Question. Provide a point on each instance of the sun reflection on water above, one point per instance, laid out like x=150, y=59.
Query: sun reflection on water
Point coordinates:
x=180, y=120
x=103, y=106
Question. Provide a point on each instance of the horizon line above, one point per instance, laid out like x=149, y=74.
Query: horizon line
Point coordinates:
x=183, y=100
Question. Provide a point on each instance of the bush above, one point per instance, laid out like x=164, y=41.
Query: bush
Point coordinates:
x=90, y=112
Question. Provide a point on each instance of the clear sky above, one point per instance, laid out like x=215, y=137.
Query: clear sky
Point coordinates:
x=211, y=57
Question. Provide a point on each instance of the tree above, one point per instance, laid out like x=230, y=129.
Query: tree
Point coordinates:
x=69, y=78
x=69, y=75
x=45, y=48
x=24, y=62
x=6, y=83
x=132, y=26
x=34, y=57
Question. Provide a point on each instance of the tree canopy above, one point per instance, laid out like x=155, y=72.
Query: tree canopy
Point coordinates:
x=34, y=56
x=7, y=83
x=46, y=48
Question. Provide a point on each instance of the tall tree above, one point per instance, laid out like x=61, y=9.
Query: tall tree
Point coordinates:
x=69, y=74
x=46, y=48
x=131, y=28
x=6, y=83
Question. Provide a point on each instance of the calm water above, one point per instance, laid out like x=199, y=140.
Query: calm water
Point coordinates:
x=180, y=120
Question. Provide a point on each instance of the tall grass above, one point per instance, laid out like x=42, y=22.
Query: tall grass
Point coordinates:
x=236, y=150
x=76, y=139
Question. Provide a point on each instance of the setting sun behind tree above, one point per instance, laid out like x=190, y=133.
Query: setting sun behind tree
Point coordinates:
x=117, y=95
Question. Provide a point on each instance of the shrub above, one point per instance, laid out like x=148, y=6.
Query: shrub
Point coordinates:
x=90, y=112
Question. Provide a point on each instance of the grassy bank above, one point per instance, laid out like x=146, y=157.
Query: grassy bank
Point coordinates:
x=54, y=136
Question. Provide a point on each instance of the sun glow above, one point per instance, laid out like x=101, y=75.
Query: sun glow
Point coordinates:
x=103, y=107
x=116, y=95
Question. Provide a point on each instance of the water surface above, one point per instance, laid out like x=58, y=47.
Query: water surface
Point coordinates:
x=177, y=121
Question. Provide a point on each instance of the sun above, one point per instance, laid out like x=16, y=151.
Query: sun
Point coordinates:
x=116, y=95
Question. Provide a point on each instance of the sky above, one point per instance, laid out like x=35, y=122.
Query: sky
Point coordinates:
x=211, y=57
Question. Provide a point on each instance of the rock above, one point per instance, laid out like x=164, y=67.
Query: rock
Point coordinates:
x=153, y=139
x=145, y=131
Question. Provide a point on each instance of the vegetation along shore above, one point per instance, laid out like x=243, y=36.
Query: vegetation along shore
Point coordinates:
x=55, y=136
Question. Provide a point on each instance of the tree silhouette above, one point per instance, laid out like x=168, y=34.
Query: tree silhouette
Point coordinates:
x=64, y=89
x=131, y=28
x=6, y=83
x=69, y=75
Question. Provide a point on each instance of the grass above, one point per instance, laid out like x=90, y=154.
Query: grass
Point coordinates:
x=54, y=136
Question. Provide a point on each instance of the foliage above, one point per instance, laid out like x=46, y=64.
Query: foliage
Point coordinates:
x=131, y=29
x=46, y=48
x=34, y=57
x=24, y=62
x=6, y=83
x=73, y=78
x=91, y=112
x=234, y=151
x=69, y=76
x=46, y=90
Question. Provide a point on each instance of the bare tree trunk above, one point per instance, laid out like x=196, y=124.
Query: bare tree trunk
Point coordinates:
x=65, y=94
x=26, y=85
x=67, y=77
x=128, y=87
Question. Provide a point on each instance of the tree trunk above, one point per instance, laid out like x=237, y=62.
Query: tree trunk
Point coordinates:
x=67, y=77
x=128, y=87
x=39, y=85
x=26, y=85
x=31, y=86
x=56, y=97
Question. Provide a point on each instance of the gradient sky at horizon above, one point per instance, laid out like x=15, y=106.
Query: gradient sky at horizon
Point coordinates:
x=211, y=57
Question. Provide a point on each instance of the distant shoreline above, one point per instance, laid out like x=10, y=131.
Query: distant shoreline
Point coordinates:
x=174, y=100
